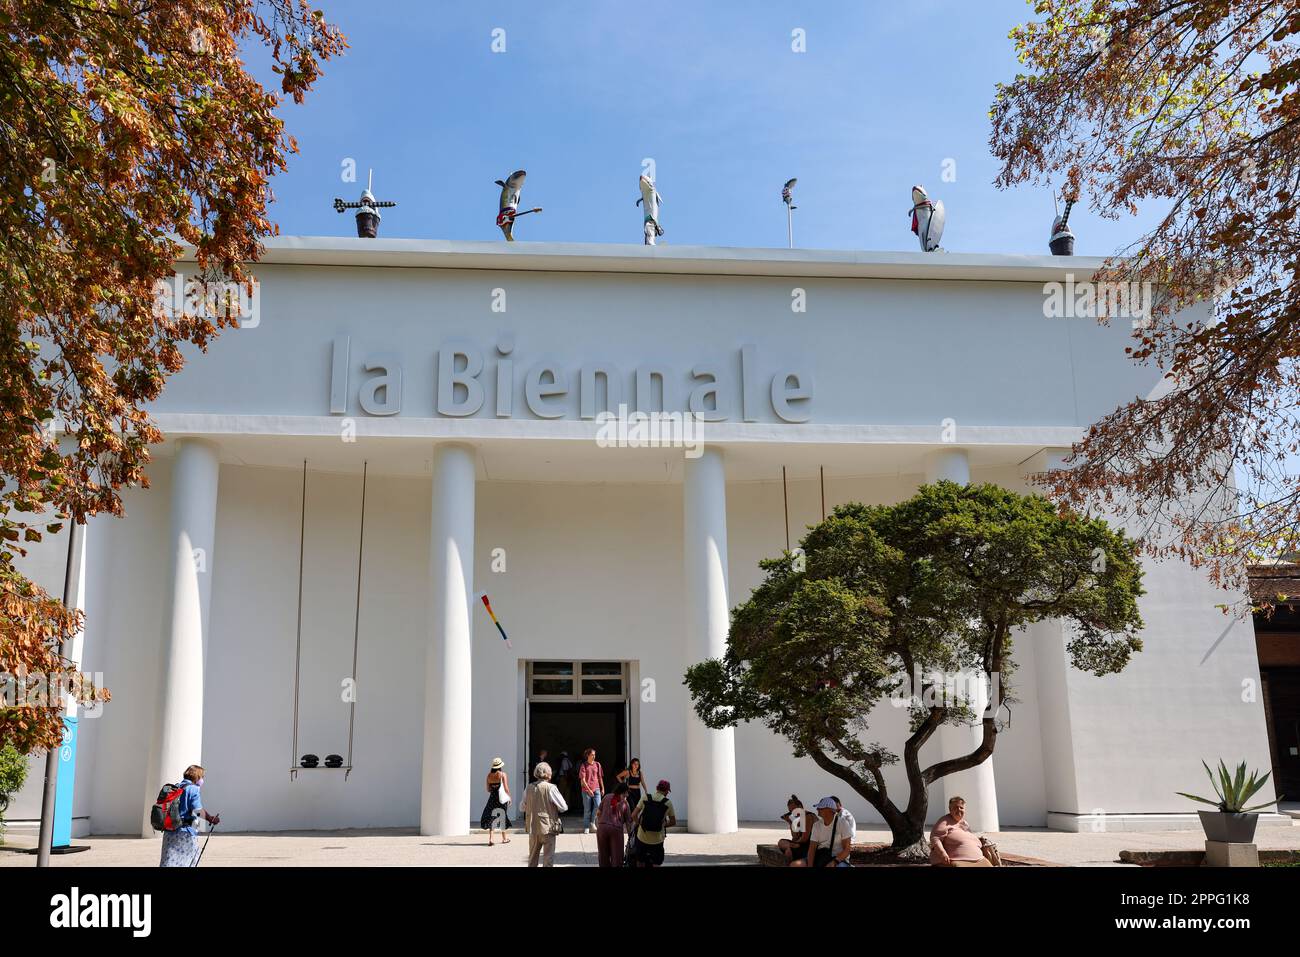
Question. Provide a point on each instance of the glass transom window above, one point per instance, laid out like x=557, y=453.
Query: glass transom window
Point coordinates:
x=577, y=680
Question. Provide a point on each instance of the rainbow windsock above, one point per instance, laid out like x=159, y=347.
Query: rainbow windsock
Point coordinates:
x=488, y=605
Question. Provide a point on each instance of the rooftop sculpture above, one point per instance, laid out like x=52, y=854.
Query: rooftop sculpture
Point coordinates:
x=367, y=210
x=511, y=187
x=927, y=219
x=787, y=197
x=650, y=200
x=1062, y=240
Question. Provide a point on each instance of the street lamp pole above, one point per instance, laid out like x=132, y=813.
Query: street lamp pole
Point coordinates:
x=71, y=583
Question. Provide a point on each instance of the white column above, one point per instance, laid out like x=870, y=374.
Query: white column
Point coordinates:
x=445, y=776
x=977, y=784
x=186, y=606
x=950, y=464
x=1051, y=676
x=710, y=755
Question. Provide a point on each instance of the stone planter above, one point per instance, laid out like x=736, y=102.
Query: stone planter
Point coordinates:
x=1229, y=828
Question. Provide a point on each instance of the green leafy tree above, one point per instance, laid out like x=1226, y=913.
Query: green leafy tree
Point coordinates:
x=935, y=585
x=13, y=772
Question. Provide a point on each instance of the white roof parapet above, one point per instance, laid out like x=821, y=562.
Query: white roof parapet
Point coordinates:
x=681, y=260
x=477, y=427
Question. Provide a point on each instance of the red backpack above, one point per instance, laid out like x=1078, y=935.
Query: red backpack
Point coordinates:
x=166, y=812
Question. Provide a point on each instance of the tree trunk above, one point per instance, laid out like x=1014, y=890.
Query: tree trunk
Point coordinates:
x=908, y=830
x=918, y=851
x=908, y=826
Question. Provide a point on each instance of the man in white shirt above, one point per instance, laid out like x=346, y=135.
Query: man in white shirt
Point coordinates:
x=832, y=836
x=847, y=816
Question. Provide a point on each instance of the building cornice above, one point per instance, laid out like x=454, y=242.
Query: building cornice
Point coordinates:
x=672, y=260
x=483, y=428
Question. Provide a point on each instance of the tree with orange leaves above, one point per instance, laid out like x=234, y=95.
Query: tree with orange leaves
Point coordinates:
x=1192, y=106
x=127, y=128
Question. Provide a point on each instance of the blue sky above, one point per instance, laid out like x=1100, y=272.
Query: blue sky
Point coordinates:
x=712, y=92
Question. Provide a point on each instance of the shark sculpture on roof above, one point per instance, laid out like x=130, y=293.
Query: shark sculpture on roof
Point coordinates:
x=508, y=210
x=927, y=219
x=650, y=200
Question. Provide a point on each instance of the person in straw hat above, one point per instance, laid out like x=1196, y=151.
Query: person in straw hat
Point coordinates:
x=496, y=813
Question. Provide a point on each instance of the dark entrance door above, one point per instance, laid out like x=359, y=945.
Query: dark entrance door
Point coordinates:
x=558, y=727
x=1283, y=697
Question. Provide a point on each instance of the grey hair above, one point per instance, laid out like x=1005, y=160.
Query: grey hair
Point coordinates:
x=542, y=772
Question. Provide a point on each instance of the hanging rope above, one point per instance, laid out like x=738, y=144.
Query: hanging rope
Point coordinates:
x=356, y=622
x=295, y=761
x=785, y=498
x=822, y=471
x=297, y=655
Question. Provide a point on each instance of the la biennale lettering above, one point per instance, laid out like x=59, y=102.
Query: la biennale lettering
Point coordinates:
x=467, y=381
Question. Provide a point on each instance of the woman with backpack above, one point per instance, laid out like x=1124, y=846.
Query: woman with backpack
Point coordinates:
x=654, y=816
x=180, y=844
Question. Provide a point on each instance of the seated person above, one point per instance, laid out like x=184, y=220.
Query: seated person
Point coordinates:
x=832, y=837
x=845, y=814
x=952, y=842
x=795, y=847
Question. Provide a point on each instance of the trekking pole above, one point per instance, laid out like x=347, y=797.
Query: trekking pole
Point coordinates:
x=204, y=847
x=582, y=844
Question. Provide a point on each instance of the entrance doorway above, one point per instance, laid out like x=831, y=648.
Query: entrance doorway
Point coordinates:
x=1277, y=641
x=572, y=706
x=1282, y=691
x=571, y=729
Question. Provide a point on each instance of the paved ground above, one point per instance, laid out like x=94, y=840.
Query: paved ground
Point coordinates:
x=403, y=848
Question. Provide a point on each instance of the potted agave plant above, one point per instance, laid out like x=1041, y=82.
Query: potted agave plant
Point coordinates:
x=1233, y=822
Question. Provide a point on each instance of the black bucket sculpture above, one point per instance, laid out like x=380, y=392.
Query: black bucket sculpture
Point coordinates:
x=309, y=761
x=333, y=760
x=1062, y=241
x=367, y=210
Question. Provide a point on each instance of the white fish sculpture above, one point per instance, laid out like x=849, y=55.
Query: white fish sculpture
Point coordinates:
x=508, y=212
x=927, y=219
x=649, y=201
